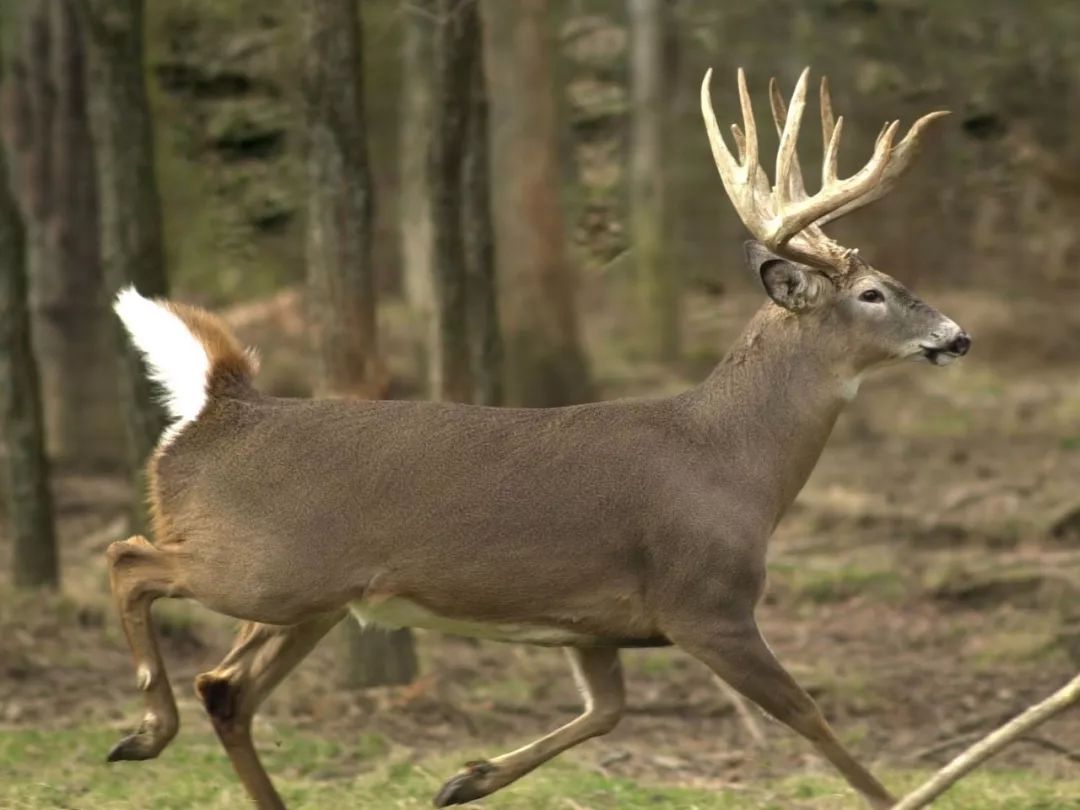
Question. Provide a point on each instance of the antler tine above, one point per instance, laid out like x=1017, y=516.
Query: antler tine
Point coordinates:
x=881, y=132
x=779, y=112
x=838, y=194
x=898, y=163
x=785, y=156
x=761, y=180
x=748, y=190
x=725, y=163
x=751, y=164
x=832, y=152
x=779, y=108
x=740, y=142
x=828, y=120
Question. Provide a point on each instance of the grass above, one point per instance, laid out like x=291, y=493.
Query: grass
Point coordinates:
x=822, y=585
x=66, y=769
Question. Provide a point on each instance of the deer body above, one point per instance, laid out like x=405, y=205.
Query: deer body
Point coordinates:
x=446, y=506
x=593, y=527
x=435, y=514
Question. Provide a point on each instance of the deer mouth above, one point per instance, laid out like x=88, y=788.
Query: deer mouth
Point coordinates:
x=943, y=355
x=937, y=357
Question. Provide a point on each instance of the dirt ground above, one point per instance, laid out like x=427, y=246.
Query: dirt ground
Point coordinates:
x=924, y=587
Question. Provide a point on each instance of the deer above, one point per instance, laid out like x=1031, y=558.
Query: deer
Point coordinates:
x=595, y=527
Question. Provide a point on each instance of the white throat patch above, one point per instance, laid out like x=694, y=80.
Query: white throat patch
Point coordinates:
x=850, y=387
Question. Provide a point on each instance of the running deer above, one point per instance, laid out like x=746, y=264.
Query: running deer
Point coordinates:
x=632, y=523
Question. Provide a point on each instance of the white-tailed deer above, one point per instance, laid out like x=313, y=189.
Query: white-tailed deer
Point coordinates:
x=630, y=523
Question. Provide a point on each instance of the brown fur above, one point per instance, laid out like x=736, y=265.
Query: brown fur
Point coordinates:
x=232, y=367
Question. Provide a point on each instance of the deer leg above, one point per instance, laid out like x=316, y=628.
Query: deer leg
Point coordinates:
x=741, y=657
x=261, y=657
x=140, y=573
x=599, y=677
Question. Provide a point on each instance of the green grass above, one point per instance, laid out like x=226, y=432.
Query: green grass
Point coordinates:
x=66, y=769
x=837, y=582
x=1070, y=443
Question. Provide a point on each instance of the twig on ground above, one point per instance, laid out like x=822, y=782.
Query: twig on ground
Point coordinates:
x=932, y=751
x=602, y=765
x=989, y=745
x=1051, y=745
x=963, y=739
x=742, y=708
x=673, y=709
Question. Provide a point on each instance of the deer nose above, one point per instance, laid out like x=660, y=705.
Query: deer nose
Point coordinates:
x=960, y=345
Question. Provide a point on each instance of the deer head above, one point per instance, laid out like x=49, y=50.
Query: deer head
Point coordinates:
x=866, y=317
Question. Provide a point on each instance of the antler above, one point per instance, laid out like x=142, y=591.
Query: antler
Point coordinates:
x=785, y=217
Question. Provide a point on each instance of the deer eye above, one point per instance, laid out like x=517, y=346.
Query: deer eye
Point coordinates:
x=871, y=296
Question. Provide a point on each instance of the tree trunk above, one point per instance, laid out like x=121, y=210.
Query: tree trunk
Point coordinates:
x=35, y=561
x=341, y=284
x=456, y=42
x=485, y=337
x=48, y=138
x=657, y=281
x=340, y=211
x=417, y=245
x=376, y=656
x=545, y=364
x=129, y=204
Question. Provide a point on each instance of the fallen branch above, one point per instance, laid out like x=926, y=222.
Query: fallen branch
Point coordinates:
x=942, y=746
x=990, y=744
x=971, y=736
x=742, y=708
x=1050, y=745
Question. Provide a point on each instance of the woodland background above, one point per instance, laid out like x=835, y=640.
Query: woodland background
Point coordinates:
x=514, y=203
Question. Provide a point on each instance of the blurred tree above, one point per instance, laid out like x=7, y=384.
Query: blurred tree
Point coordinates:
x=417, y=245
x=447, y=240
x=485, y=336
x=456, y=42
x=651, y=91
x=35, y=561
x=341, y=278
x=129, y=204
x=545, y=364
x=45, y=127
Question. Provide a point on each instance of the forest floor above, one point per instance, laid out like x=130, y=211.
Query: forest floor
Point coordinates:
x=925, y=587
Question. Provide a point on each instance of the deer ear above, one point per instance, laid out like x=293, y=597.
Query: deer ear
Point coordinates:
x=791, y=285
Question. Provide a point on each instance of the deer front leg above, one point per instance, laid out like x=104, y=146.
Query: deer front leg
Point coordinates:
x=140, y=573
x=261, y=657
x=738, y=654
x=599, y=677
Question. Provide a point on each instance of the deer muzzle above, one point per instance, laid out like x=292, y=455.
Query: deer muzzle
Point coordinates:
x=955, y=343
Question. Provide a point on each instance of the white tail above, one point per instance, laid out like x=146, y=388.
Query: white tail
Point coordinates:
x=176, y=357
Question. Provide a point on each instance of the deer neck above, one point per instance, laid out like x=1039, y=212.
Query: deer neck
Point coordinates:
x=770, y=405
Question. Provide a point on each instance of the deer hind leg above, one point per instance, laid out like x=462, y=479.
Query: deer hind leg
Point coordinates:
x=140, y=573
x=599, y=677
x=261, y=657
x=741, y=657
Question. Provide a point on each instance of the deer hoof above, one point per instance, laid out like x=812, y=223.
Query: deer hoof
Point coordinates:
x=134, y=747
x=473, y=783
x=146, y=743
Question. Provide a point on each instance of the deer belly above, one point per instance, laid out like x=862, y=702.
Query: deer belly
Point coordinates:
x=397, y=613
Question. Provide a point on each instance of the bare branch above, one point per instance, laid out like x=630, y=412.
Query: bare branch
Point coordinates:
x=989, y=745
x=742, y=708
